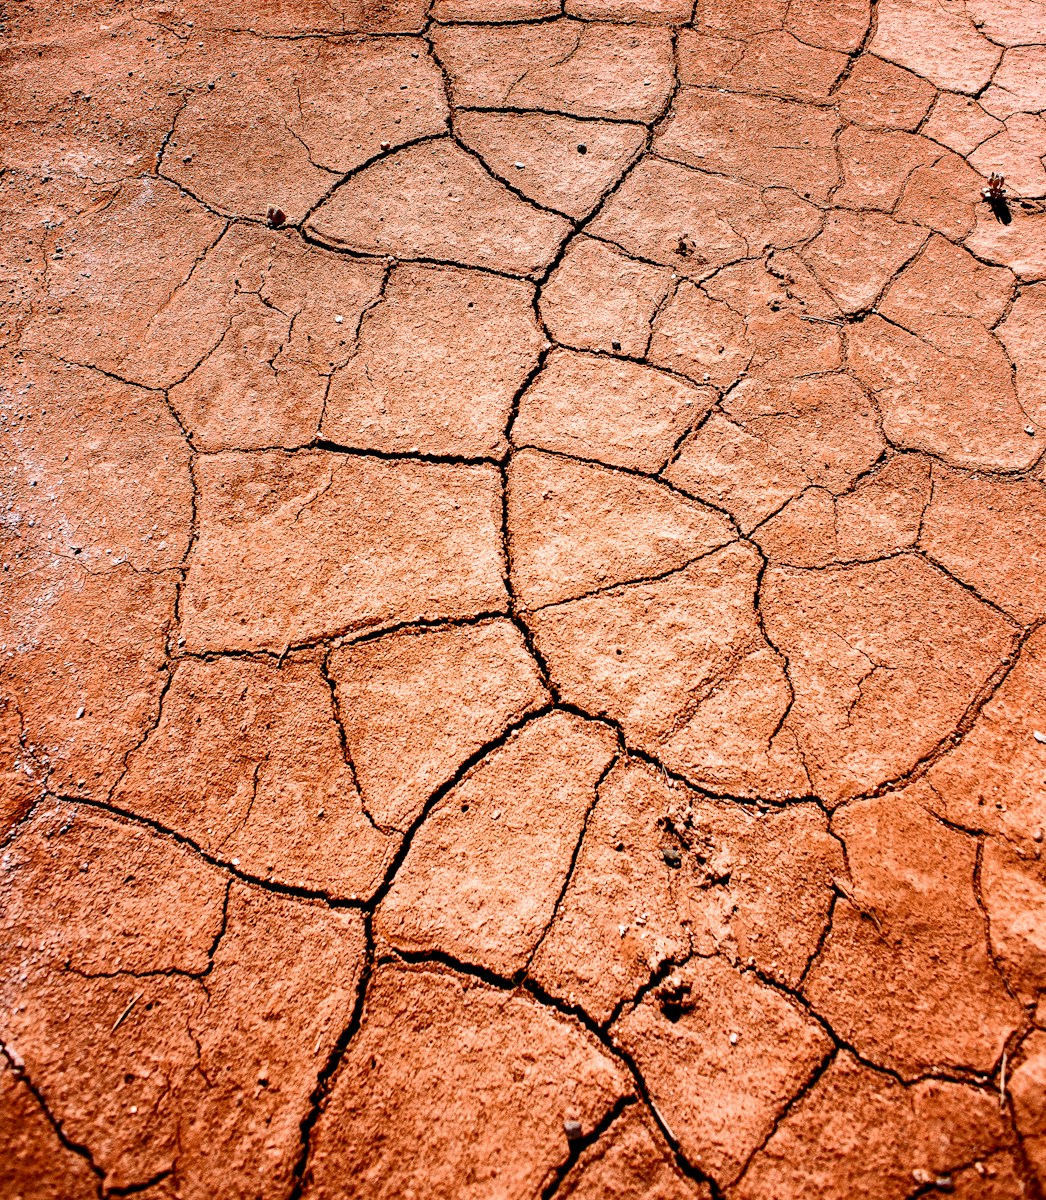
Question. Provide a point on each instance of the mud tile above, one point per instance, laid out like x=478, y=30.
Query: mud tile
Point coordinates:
x=692, y=221
x=911, y=920
x=294, y=547
x=641, y=653
x=726, y=466
x=715, y=131
x=740, y=18
x=437, y=365
x=247, y=345
x=993, y=779
x=730, y=740
x=662, y=872
x=435, y=201
x=1009, y=22
x=857, y=254
x=118, y=266
x=630, y=1162
x=645, y=12
x=840, y=27
x=959, y=123
x=879, y=95
x=859, y=1131
x=581, y=70
x=494, y=11
x=294, y=17
x=1013, y=890
x=777, y=298
x=260, y=281
x=34, y=1153
x=956, y=401
x=944, y=283
x=1016, y=152
x=1027, y=1086
x=1023, y=333
x=416, y=705
x=92, y=99
x=802, y=533
x=599, y=299
x=83, y=657
x=1017, y=85
x=97, y=472
x=157, y=1071
x=776, y=439
x=1020, y=245
x=986, y=532
x=246, y=762
x=943, y=196
x=700, y=337
x=401, y=1119
x=703, y=56
x=778, y=64
x=880, y=516
x=876, y=165
x=275, y=129
x=862, y=641
x=940, y=43
x=625, y=911
x=577, y=528
x=558, y=162
x=482, y=876
x=621, y=413
x=720, y=1097
x=282, y=989
x=120, y=898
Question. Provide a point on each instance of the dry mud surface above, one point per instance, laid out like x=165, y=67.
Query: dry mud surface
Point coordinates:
x=523, y=673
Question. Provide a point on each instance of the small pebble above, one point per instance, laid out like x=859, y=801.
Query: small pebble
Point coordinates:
x=573, y=1130
x=615, y=345
x=235, y=862
x=1039, y=736
x=521, y=166
x=338, y=319
x=496, y=815
x=79, y=713
x=386, y=145
x=582, y=148
x=733, y=1039
x=1029, y=430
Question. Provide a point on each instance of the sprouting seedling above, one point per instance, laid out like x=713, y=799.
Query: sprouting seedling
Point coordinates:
x=995, y=193
x=996, y=189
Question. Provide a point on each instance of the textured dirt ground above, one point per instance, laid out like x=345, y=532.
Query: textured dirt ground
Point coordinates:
x=523, y=674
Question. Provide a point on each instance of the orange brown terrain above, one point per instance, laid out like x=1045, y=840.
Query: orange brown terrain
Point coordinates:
x=523, y=638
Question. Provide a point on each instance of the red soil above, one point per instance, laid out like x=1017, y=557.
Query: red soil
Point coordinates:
x=522, y=667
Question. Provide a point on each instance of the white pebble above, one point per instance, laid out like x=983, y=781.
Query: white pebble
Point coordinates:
x=338, y=320
x=1039, y=736
x=79, y=713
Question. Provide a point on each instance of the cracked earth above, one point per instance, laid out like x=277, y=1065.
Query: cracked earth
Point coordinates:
x=523, y=642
